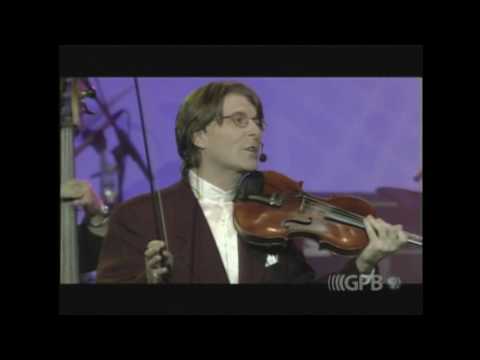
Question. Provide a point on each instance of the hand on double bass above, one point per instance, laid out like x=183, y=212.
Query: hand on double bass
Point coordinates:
x=81, y=194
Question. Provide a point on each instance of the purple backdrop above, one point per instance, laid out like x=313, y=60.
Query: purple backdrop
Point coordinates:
x=336, y=134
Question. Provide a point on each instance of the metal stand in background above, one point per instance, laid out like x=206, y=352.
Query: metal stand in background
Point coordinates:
x=111, y=188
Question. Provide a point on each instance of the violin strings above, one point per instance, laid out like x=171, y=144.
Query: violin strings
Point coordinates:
x=340, y=217
x=333, y=207
x=337, y=210
x=342, y=214
x=349, y=217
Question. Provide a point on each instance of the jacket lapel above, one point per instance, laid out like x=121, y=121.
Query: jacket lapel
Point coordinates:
x=196, y=256
x=252, y=263
x=196, y=250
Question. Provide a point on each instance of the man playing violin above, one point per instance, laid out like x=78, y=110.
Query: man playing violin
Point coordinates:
x=219, y=131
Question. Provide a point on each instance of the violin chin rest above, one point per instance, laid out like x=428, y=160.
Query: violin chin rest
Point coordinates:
x=251, y=183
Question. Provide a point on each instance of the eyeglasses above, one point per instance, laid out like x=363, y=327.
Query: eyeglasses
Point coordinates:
x=241, y=120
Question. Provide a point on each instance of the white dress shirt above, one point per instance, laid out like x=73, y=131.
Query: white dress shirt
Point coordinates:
x=217, y=206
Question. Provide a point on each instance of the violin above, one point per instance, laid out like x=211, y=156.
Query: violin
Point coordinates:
x=270, y=209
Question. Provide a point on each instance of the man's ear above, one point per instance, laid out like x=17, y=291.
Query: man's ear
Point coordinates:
x=199, y=139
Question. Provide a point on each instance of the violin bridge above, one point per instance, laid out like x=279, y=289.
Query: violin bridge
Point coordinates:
x=302, y=204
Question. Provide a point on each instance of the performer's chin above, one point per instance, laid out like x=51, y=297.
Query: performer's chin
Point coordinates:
x=251, y=166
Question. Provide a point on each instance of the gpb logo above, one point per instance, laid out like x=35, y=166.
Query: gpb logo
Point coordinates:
x=353, y=282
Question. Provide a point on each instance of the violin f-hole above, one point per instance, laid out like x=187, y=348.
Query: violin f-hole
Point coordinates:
x=306, y=221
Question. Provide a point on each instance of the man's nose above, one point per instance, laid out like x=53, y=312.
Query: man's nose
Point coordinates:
x=253, y=128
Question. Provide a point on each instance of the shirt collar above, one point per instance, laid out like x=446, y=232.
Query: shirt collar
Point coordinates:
x=205, y=190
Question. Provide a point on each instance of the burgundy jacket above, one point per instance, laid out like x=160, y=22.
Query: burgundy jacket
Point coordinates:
x=196, y=258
